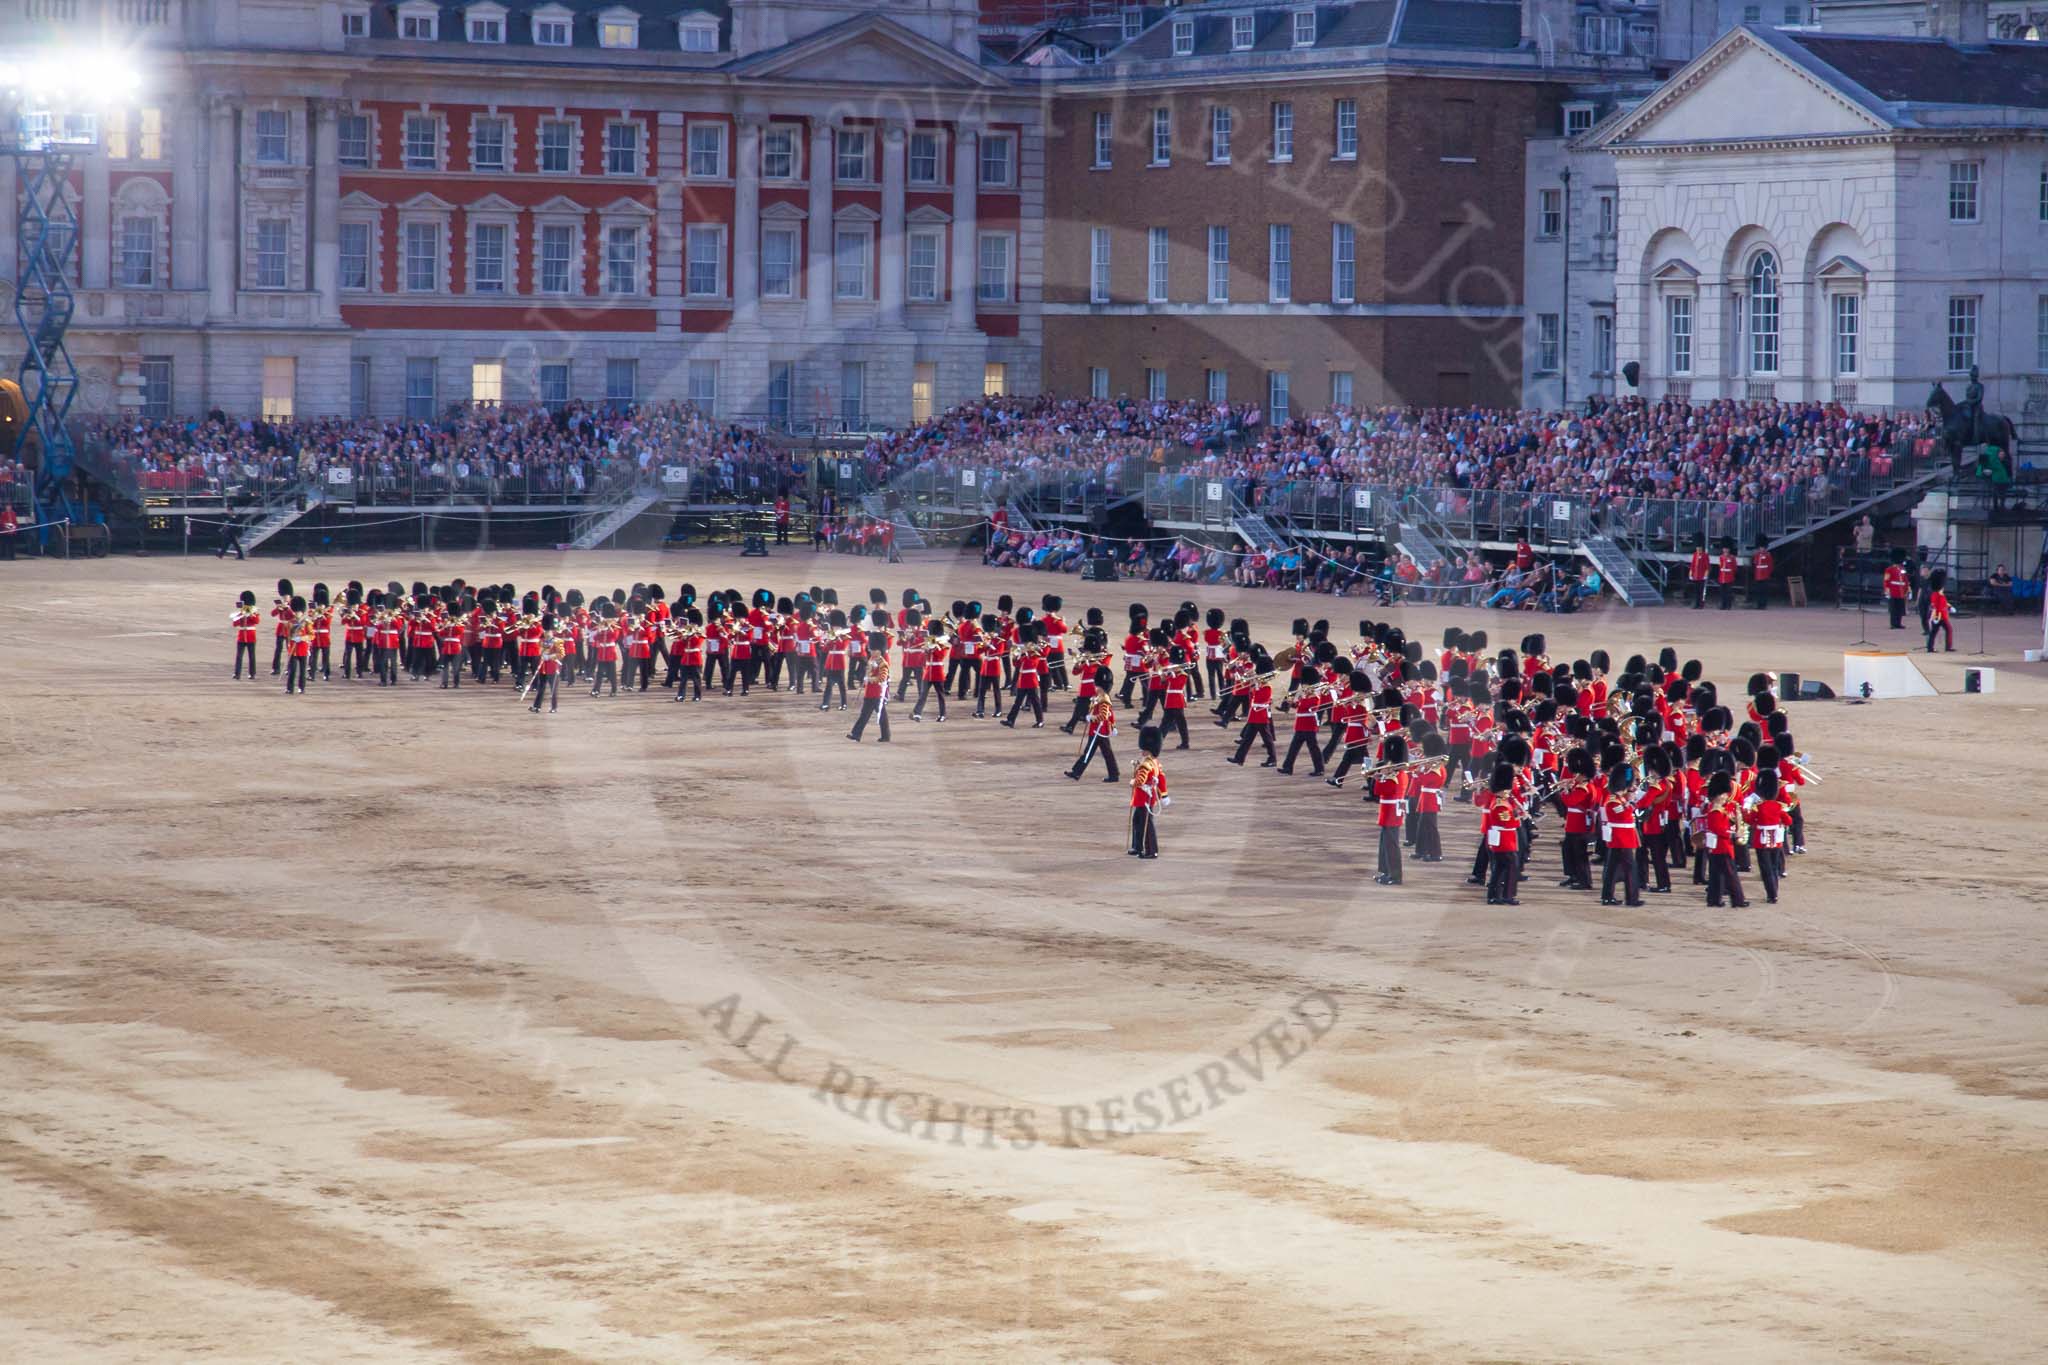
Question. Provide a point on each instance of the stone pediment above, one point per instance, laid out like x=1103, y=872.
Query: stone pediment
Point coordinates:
x=1742, y=90
x=867, y=51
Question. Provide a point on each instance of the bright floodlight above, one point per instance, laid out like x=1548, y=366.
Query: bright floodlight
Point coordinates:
x=89, y=78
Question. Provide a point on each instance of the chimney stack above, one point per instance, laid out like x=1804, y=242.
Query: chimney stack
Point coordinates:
x=1966, y=23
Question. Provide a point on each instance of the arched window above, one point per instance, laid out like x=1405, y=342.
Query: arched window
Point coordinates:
x=1763, y=313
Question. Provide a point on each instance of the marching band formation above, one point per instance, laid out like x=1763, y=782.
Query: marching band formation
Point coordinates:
x=1649, y=773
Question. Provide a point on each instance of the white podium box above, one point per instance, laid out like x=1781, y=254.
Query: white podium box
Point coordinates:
x=1889, y=675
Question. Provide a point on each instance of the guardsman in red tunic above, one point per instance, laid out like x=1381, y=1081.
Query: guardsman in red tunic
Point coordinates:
x=299, y=646
x=1055, y=641
x=1500, y=827
x=1101, y=729
x=1258, y=716
x=1148, y=796
x=355, y=634
x=1136, y=649
x=933, y=683
x=1696, y=572
x=1427, y=784
x=1174, y=709
x=1761, y=566
x=1769, y=820
x=639, y=638
x=910, y=633
x=782, y=518
x=739, y=654
x=281, y=612
x=874, y=692
x=245, y=621
x=688, y=651
x=837, y=653
x=966, y=646
x=988, y=686
x=1718, y=831
x=604, y=644
x=1618, y=831
x=1896, y=590
x=1575, y=799
x=449, y=633
x=1725, y=574
x=1030, y=676
x=1084, y=683
x=1390, y=795
x=490, y=643
x=1351, y=710
x=547, y=679
x=1306, y=728
x=1938, y=611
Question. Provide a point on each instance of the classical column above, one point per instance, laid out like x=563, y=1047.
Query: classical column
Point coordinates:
x=818, y=277
x=96, y=220
x=966, y=181
x=188, y=198
x=746, y=223
x=890, y=274
x=324, y=203
x=223, y=221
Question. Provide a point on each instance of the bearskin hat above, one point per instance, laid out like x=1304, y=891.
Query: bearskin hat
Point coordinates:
x=877, y=641
x=1434, y=745
x=1149, y=741
x=1300, y=628
x=1214, y=618
x=1158, y=637
x=1769, y=756
x=1545, y=712
x=1743, y=751
x=1050, y=602
x=1937, y=580
x=1476, y=641
x=1394, y=749
x=1778, y=726
x=1139, y=615
x=1515, y=750
x=858, y=613
x=1005, y=604
x=1175, y=654
x=1094, y=640
x=1719, y=785
x=830, y=597
x=1507, y=665
x=988, y=620
x=1261, y=660
x=1322, y=651
x=1767, y=785
x=1503, y=778
x=248, y=597
x=1093, y=616
x=1341, y=666
x=1024, y=616
x=1766, y=705
x=1578, y=762
x=297, y=604
x=1104, y=679
x=1582, y=670
x=836, y=619
x=879, y=618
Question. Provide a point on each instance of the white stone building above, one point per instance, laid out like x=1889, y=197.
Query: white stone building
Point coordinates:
x=1806, y=215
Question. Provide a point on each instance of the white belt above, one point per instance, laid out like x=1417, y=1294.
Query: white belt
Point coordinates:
x=1629, y=828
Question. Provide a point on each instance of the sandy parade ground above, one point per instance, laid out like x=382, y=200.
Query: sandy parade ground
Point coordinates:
x=406, y=1025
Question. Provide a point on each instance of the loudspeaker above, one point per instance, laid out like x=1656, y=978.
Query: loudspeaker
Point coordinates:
x=1816, y=691
x=1101, y=569
x=753, y=546
x=1788, y=687
x=1980, y=680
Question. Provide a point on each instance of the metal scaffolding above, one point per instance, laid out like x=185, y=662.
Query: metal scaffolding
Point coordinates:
x=46, y=225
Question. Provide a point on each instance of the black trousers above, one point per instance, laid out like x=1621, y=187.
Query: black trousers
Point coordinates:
x=1131, y=680
x=1093, y=745
x=1213, y=669
x=1081, y=705
x=493, y=664
x=385, y=663
x=548, y=685
x=451, y=672
x=1056, y=672
x=1144, y=833
x=1660, y=846
x=1354, y=754
x=1303, y=739
x=277, y=654
x=1578, y=860
x=1260, y=730
x=988, y=686
x=1897, y=607
x=910, y=671
x=1727, y=596
x=1390, y=853
x=1760, y=594
x=1722, y=881
x=1333, y=742
x=877, y=709
x=1429, y=841
x=643, y=668
x=1230, y=705
x=803, y=670
x=295, y=674
x=1173, y=720
x=690, y=678
x=245, y=648
x=1699, y=593
x=1022, y=696
x=1500, y=886
x=1770, y=865
x=962, y=671
x=1940, y=628
x=1154, y=700
x=835, y=678
x=607, y=672
x=1621, y=867
x=926, y=690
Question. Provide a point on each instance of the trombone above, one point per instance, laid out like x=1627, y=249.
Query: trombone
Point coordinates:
x=1799, y=761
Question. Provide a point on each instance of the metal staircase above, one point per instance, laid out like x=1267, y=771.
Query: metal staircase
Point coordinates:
x=1853, y=507
x=595, y=528
x=1411, y=539
x=1619, y=570
x=908, y=537
x=1258, y=533
x=278, y=514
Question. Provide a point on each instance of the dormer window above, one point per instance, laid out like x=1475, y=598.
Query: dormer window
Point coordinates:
x=419, y=22
x=551, y=26
x=485, y=23
x=1134, y=23
x=699, y=34
x=1183, y=37
x=618, y=28
x=1578, y=118
x=1304, y=28
x=1243, y=28
x=355, y=23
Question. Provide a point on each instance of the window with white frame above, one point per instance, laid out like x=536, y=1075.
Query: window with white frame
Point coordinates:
x=621, y=381
x=1105, y=141
x=1098, y=265
x=280, y=387
x=923, y=157
x=2041, y=197
x=1283, y=131
x=1347, y=130
x=703, y=385
x=1279, y=262
x=1278, y=387
x=422, y=142
x=1549, y=213
x=1157, y=254
x=921, y=275
x=1098, y=382
x=355, y=23
x=697, y=35
x=1343, y=263
x=273, y=253
x=486, y=24
x=156, y=387
x=557, y=257
x=557, y=147
x=1762, y=303
x=552, y=382
x=422, y=258
x=355, y=256
x=1304, y=28
x=487, y=144
x=352, y=140
x=778, y=152
x=995, y=379
x=850, y=263
x=1219, y=264
x=490, y=247
x=704, y=245
x=1578, y=118
x=992, y=268
x=1155, y=386
x=1216, y=385
x=551, y=29
x=137, y=260
x=707, y=151
x=622, y=149
x=781, y=390
x=853, y=391
x=1220, y=123
x=1162, y=136
x=618, y=30
x=2041, y=333
x=998, y=160
x=1963, y=180
x=1604, y=221
x=419, y=22
x=1340, y=388
x=1603, y=343
x=1244, y=29
x=1962, y=332
x=851, y=160
x=273, y=137
x=1183, y=37
x=1845, y=321
x=419, y=387
x=778, y=262
x=1133, y=22
x=487, y=383
x=1678, y=333
x=359, y=386
x=1548, y=335
x=1600, y=34
x=622, y=259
